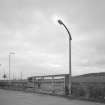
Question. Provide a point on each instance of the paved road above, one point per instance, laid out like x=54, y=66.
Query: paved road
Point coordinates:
x=21, y=98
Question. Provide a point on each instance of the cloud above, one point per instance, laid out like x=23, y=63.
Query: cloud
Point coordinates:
x=42, y=46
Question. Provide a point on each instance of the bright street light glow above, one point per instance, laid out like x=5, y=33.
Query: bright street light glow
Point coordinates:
x=55, y=18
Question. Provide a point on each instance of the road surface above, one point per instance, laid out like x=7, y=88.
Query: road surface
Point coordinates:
x=21, y=98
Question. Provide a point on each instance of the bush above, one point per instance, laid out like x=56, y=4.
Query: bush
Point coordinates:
x=97, y=92
x=78, y=90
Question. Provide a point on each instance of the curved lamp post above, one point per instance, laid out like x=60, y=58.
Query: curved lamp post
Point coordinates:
x=70, y=38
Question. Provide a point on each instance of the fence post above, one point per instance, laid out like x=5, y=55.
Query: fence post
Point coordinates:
x=34, y=82
x=38, y=83
x=53, y=90
x=66, y=86
x=41, y=82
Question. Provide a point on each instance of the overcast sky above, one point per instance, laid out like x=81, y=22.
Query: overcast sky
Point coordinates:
x=30, y=29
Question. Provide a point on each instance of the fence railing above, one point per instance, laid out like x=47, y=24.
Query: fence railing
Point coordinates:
x=58, y=84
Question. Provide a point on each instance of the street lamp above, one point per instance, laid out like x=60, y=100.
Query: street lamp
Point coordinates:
x=70, y=38
x=10, y=53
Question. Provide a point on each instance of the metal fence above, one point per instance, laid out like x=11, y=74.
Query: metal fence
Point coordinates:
x=57, y=84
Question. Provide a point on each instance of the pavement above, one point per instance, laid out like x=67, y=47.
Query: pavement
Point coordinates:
x=8, y=97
